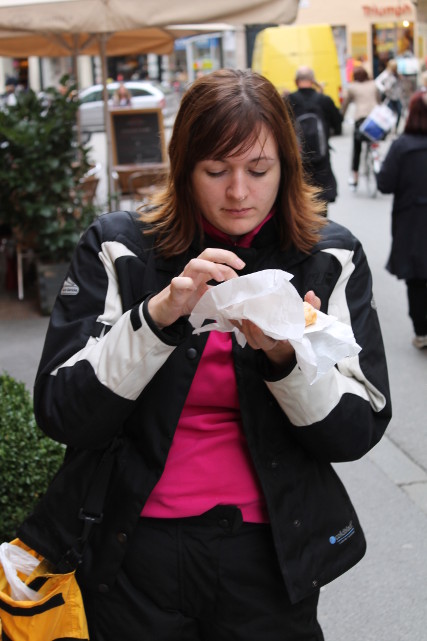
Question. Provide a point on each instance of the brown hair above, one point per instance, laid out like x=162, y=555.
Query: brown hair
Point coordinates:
x=392, y=66
x=360, y=74
x=416, y=122
x=221, y=114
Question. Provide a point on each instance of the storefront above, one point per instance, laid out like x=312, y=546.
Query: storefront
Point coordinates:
x=201, y=54
x=369, y=32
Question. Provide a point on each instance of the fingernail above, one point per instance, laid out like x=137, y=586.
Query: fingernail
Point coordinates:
x=240, y=263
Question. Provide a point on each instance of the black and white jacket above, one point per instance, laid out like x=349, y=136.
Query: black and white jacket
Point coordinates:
x=108, y=374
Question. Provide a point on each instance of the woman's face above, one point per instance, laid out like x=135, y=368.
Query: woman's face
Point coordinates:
x=236, y=193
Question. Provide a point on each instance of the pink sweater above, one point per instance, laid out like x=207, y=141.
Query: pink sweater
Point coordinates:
x=209, y=463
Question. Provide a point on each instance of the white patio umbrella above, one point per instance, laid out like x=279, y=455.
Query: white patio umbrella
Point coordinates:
x=119, y=27
x=109, y=16
x=63, y=27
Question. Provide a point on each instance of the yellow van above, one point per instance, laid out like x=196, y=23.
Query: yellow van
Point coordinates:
x=279, y=51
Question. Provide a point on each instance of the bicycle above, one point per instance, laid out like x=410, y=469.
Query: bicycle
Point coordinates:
x=370, y=166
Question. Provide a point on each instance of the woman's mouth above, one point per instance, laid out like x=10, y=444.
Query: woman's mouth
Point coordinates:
x=236, y=212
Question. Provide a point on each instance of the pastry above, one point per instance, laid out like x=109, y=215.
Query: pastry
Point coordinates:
x=310, y=314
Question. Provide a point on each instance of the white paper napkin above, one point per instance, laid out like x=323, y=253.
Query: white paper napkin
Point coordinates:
x=269, y=300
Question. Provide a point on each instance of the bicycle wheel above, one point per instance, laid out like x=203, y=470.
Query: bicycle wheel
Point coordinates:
x=371, y=180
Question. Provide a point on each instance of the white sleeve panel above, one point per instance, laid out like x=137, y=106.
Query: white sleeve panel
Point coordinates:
x=337, y=304
x=109, y=253
x=125, y=360
x=305, y=404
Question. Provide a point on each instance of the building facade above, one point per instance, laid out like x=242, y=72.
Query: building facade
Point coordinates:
x=367, y=31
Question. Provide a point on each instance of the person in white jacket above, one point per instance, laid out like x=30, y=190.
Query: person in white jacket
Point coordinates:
x=389, y=84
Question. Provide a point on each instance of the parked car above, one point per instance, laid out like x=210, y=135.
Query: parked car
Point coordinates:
x=145, y=95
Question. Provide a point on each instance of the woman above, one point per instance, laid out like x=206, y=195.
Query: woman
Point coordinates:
x=403, y=174
x=222, y=515
x=122, y=97
x=364, y=94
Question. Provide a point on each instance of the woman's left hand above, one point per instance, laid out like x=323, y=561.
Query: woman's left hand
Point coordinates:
x=279, y=352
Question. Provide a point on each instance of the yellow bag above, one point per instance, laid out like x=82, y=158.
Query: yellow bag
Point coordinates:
x=36, y=604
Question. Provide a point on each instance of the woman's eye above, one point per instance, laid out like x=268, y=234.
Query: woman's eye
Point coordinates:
x=220, y=172
x=215, y=173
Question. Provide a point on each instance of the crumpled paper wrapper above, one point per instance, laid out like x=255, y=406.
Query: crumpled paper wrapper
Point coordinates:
x=268, y=299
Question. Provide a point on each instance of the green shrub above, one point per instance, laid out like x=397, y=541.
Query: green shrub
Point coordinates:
x=28, y=458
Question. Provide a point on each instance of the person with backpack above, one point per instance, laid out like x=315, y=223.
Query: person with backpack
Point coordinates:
x=316, y=118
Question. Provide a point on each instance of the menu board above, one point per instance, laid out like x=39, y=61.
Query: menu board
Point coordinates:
x=137, y=136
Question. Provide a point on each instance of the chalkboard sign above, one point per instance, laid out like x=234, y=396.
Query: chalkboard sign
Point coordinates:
x=137, y=136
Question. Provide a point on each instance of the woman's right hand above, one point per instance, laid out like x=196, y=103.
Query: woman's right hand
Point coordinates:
x=184, y=291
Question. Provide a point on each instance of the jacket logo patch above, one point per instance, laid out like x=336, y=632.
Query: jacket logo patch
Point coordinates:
x=69, y=288
x=343, y=534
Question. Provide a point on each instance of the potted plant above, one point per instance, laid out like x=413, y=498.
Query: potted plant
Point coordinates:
x=42, y=167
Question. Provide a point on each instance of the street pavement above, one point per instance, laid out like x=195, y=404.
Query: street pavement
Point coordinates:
x=384, y=598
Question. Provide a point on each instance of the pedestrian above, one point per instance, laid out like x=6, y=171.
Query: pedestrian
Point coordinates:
x=364, y=95
x=316, y=119
x=389, y=83
x=403, y=175
x=8, y=99
x=224, y=516
x=122, y=97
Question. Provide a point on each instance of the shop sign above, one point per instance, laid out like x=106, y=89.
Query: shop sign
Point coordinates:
x=374, y=11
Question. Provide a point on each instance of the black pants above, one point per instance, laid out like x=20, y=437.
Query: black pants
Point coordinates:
x=207, y=578
x=417, y=298
x=358, y=139
x=396, y=106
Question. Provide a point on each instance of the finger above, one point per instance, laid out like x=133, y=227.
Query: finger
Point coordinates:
x=223, y=256
x=204, y=270
x=311, y=298
x=183, y=284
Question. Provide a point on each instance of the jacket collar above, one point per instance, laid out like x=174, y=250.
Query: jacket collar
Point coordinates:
x=264, y=243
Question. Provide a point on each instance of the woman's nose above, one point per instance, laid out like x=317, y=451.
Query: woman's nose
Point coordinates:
x=237, y=189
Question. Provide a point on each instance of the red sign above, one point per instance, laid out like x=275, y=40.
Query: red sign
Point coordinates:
x=374, y=11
